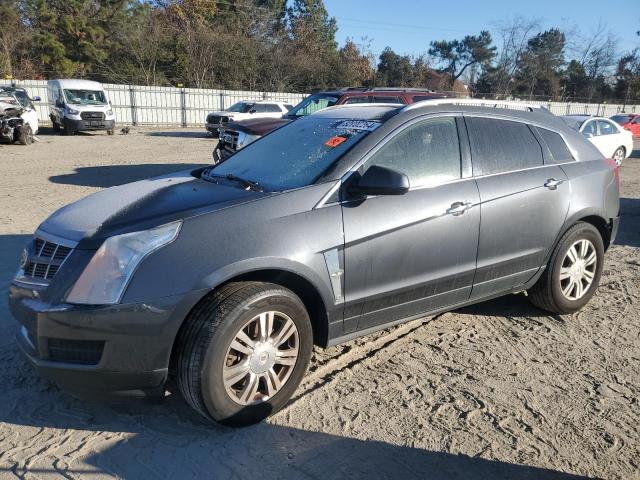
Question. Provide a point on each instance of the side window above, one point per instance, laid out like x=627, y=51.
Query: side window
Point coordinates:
x=558, y=148
x=590, y=129
x=501, y=146
x=364, y=99
x=259, y=108
x=271, y=108
x=606, y=128
x=383, y=99
x=427, y=152
x=420, y=98
x=288, y=106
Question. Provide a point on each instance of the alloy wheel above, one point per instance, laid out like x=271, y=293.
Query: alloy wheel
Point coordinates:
x=578, y=269
x=261, y=358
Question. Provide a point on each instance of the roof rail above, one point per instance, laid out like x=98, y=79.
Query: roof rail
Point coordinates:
x=512, y=105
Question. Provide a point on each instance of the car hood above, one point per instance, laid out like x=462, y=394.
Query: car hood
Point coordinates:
x=141, y=205
x=257, y=126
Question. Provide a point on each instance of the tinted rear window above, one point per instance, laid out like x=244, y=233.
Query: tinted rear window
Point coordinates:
x=559, y=151
x=502, y=146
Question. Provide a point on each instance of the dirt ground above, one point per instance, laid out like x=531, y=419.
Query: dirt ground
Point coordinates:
x=497, y=390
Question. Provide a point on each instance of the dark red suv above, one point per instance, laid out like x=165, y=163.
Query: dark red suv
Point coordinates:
x=236, y=135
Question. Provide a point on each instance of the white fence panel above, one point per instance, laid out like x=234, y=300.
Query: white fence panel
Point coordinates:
x=175, y=107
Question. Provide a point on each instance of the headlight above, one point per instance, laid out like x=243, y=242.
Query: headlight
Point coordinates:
x=72, y=111
x=105, y=278
x=245, y=139
x=109, y=113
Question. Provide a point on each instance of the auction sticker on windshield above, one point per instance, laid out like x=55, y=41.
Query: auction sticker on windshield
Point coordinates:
x=366, y=125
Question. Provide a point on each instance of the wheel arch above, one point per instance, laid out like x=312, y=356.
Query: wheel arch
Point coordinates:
x=294, y=281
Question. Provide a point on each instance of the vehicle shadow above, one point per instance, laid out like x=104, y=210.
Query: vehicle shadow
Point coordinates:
x=169, y=441
x=629, y=230
x=112, y=175
x=516, y=305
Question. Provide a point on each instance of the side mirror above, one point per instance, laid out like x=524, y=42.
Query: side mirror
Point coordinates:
x=59, y=103
x=379, y=181
x=36, y=99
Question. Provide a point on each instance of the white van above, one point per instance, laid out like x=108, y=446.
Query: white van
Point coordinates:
x=79, y=105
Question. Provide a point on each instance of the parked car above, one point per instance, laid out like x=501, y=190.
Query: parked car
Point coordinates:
x=18, y=116
x=78, y=106
x=245, y=110
x=363, y=217
x=239, y=134
x=628, y=121
x=611, y=139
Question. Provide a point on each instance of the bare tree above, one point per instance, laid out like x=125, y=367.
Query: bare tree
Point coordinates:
x=598, y=55
x=514, y=35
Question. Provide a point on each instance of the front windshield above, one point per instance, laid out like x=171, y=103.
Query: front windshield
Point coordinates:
x=85, y=97
x=295, y=155
x=240, y=107
x=312, y=104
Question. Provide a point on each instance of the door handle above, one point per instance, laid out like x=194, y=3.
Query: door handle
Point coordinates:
x=552, y=183
x=458, y=208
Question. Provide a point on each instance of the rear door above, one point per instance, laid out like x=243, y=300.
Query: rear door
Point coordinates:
x=524, y=202
x=412, y=253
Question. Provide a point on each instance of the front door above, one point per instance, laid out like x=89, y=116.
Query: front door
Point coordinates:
x=413, y=253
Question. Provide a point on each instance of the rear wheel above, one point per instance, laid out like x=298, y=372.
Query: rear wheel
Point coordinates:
x=619, y=155
x=573, y=273
x=243, y=351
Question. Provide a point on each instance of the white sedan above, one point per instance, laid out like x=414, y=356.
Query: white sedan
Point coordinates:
x=611, y=139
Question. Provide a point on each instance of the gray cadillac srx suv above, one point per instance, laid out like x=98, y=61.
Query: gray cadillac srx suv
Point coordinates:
x=347, y=221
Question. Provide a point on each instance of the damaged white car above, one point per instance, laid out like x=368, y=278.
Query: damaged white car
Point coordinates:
x=18, y=116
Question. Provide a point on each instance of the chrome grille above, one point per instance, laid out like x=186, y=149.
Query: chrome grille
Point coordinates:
x=92, y=116
x=217, y=119
x=45, y=258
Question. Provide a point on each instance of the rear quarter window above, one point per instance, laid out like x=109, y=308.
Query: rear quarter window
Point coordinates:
x=499, y=146
x=557, y=146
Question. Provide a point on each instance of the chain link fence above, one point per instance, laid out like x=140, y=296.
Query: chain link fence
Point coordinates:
x=188, y=107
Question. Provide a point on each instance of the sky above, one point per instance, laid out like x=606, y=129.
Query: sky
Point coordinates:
x=408, y=26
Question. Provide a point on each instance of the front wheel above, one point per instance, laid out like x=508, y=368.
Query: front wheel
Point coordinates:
x=619, y=155
x=25, y=135
x=243, y=352
x=110, y=132
x=573, y=273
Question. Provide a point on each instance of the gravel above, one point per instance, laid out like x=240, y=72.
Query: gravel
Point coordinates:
x=496, y=390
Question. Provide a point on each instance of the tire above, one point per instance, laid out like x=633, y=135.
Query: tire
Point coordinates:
x=67, y=131
x=110, y=132
x=56, y=127
x=547, y=293
x=25, y=135
x=619, y=155
x=204, y=353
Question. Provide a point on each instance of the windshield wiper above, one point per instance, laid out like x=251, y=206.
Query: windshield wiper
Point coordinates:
x=250, y=184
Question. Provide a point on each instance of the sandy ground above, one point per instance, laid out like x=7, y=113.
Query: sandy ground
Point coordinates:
x=497, y=390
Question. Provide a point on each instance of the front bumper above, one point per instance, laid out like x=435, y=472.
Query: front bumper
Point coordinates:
x=98, y=351
x=213, y=128
x=86, y=125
